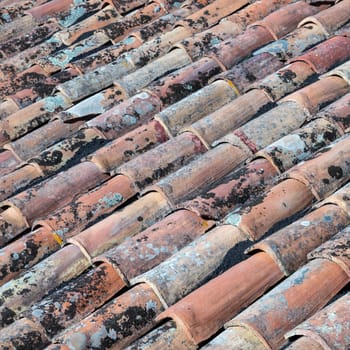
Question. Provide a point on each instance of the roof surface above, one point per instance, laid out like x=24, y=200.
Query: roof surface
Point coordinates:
x=174, y=174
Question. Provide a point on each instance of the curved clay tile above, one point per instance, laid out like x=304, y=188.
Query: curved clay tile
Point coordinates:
x=117, y=323
x=203, y=312
x=337, y=51
x=29, y=118
x=336, y=249
x=332, y=18
x=325, y=171
x=31, y=336
x=127, y=222
x=330, y=327
x=158, y=162
x=291, y=302
x=245, y=182
x=55, y=192
x=201, y=172
x=126, y=147
x=150, y=247
x=25, y=252
x=290, y=245
x=300, y=144
x=39, y=139
x=19, y=294
x=339, y=112
x=87, y=207
x=76, y=300
x=165, y=337
x=201, y=260
x=255, y=68
x=304, y=343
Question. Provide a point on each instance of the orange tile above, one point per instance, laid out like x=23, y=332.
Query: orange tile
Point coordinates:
x=292, y=301
x=23, y=333
x=329, y=327
x=127, y=222
x=244, y=183
x=126, y=116
x=290, y=245
x=19, y=294
x=325, y=171
x=25, y=252
x=150, y=247
x=270, y=208
x=76, y=300
x=203, y=312
x=117, y=323
x=87, y=208
x=162, y=160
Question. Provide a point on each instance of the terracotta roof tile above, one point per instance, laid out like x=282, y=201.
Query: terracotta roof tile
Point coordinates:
x=329, y=327
x=146, y=146
x=284, y=306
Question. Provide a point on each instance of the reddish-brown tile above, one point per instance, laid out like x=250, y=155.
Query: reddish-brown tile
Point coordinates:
x=230, y=116
x=19, y=294
x=126, y=116
x=185, y=81
x=8, y=162
x=330, y=327
x=56, y=191
x=243, y=75
x=166, y=337
x=25, y=252
x=320, y=93
x=339, y=112
x=305, y=343
x=39, y=139
x=195, y=106
x=285, y=80
x=211, y=14
x=290, y=245
x=332, y=18
x=325, y=171
x=292, y=301
x=31, y=117
x=191, y=179
x=87, y=208
x=216, y=202
x=150, y=247
x=158, y=162
x=336, y=49
x=300, y=144
x=23, y=334
x=118, y=323
x=279, y=203
x=76, y=300
x=193, y=265
x=204, y=311
x=98, y=20
x=336, y=249
x=126, y=147
x=124, y=223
